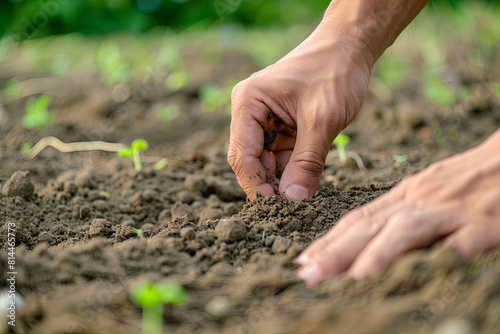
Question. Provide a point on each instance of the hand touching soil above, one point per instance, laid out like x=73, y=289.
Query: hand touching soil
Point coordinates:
x=286, y=116
x=457, y=199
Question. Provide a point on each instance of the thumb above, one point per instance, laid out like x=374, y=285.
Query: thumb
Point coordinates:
x=302, y=174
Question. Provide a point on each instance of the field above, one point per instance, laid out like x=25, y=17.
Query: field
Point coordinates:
x=77, y=215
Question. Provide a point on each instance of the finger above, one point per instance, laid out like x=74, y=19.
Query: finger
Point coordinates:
x=269, y=162
x=282, y=159
x=379, y=209
x=281, y=142
x=246, y=146
x=475, y=239
x=407, y=229
x=335, y=255
x=303, y=172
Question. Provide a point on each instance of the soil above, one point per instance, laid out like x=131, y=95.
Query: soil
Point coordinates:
x=78, y=256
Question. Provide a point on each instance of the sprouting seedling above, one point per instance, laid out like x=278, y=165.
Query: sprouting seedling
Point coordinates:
x=160, y=164
x=399, y=159
x=133, y=152
x=104, y=194
x=139, y=233
x=25, y=147
x=151, y=297
x=37, y=114
x=341, y=142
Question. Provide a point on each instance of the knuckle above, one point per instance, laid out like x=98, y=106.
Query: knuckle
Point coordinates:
x=311, y=163
x=404, y=221
x=240, y=91
x=234, y=159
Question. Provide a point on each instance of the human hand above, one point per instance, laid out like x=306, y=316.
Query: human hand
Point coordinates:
x=285, y=117
x=457, y=199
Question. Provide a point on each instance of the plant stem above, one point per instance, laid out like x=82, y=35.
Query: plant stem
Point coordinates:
x=136, y=158
x=152, y=319
x=342, y=154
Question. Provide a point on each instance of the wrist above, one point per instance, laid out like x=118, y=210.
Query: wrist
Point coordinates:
x=369, y=26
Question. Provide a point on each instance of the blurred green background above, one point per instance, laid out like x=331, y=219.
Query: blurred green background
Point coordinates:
x=119, y=68
x=201, y=48
x=47, y=17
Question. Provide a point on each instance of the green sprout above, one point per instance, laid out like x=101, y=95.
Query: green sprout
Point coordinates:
x=151, y=297
x=37, y=114
x=341, y=142
x=25, y=147
x=392, y=71
x=167, y=113
x=399, y=159
x=438, y=133
x=133, y=152
x=177, y=80
x=213, y=98
x=104, y=194
x=139, y=233
x=160, y=164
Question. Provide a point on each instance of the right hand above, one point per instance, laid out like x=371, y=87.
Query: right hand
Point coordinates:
x=303, y=101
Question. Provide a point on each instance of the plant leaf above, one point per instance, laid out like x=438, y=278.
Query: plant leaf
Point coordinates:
x=139, y=145
x=172, y=293
x=125, y=153
x=145, y=295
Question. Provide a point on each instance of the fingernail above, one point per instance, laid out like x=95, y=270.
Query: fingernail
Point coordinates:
x=295, y=192
x=311, y=274
x=302, y=260
x=357, y=273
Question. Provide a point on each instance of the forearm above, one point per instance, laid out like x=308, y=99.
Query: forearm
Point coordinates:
x=375, y=24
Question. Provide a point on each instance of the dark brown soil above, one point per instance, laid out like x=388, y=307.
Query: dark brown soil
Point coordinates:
x=77, y=255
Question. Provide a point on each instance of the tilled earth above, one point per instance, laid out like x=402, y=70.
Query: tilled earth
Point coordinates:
x=77, y=255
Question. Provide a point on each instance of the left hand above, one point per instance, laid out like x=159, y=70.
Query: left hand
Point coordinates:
x=457, y=199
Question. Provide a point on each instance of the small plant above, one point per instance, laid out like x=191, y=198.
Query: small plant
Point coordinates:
x=177, y=80
x=392, y=71
x=399, y=159
x=25, y=147
x=438, y=134
x=151, y=297
x=133, y=152
x=139, y=233
x=213, y=98
x=160, y=164
x=167, y=113
x=37, y=114
x=105, y=194
x=341, y=142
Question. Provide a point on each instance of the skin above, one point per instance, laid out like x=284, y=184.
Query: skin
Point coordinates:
x=306, y=99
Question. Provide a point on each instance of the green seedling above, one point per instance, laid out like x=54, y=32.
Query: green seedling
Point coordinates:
x=341, y=142
x=438, y=134
x=399, y=159
x=133, y=152
x=177, y=80
x=104, y=194
x=167, y=113
x=37, y=114
x=392, y=71
x=214, y=98
x=139, y=233
x=151, y=297
x=25, y=147
x=160, y=164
